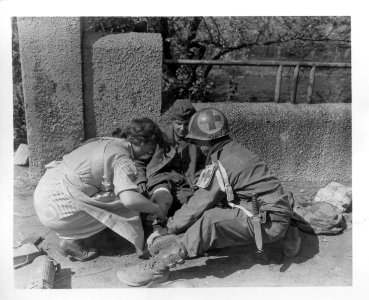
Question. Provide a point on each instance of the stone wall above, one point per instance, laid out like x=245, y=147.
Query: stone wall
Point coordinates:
x=121, y=79
x=127, y=70
x=299, y=142
x=50, y=50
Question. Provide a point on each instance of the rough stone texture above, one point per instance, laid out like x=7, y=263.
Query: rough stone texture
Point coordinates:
x=122, y=80
x=89, y=38
x=50, y=50
x=127, y=79
x=299, y=142
x=21, y=156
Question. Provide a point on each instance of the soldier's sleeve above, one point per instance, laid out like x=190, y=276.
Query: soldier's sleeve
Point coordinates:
x=141, y=171
x=202, y=200
x=192, y=149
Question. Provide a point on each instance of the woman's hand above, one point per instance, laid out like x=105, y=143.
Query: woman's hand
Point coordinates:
x=105, y=197
x=137, y=202
x=142, y=188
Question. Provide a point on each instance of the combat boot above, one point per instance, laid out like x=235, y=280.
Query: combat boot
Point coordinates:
x=161, y=243
x=291, y=242
x=156, y=269
x=77, y=250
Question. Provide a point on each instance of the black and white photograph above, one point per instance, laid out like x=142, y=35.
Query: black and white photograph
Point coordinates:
x=179, y=150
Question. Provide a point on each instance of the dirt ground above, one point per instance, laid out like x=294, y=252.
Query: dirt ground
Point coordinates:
x=322, y=261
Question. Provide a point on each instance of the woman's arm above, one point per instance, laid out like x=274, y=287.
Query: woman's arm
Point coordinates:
x=135, y=201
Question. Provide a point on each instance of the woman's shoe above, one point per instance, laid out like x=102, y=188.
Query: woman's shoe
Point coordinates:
x=77, y=250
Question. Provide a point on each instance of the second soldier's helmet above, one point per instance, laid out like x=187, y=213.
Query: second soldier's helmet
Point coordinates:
x=208, y=124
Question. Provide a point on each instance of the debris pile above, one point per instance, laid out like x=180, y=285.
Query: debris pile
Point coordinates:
x=336, y=194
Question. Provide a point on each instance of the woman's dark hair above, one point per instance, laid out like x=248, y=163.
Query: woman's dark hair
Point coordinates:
x=143, y=130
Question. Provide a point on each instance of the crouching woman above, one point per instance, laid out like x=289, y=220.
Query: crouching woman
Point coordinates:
x=93, y=187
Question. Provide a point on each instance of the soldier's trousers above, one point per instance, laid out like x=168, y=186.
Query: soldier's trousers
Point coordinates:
x=220, y=228
x=177, y=192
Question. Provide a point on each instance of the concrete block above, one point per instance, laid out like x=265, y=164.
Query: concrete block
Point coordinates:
x=21, y=156
x=299, y=142
x=127, y=71
x=50, y=51
x=89, y=39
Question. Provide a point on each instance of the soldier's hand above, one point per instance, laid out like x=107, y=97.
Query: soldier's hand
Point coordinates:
x=160, y=232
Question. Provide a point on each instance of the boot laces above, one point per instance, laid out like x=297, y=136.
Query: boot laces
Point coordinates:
x=150, y=264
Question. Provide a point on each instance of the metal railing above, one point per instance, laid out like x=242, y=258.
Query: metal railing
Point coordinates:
x=280, y=64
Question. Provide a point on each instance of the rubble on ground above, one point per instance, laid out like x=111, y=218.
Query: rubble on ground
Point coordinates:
x=21, y=157
x=336, y=194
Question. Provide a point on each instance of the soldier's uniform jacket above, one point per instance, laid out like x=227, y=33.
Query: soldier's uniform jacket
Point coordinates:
x=247, y=174
x=187, y=155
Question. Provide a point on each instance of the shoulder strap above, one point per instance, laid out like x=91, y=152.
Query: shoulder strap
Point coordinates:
x=227, y=188
x=222, y=176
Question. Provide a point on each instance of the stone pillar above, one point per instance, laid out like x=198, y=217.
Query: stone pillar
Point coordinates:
x=50, y=50
x=89, y=38
x=127, y=79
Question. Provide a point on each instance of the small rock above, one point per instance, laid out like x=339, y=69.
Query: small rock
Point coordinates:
x=336, y=194
x=21, y=157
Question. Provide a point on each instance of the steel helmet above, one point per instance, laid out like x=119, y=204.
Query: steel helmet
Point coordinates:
x=208, y=124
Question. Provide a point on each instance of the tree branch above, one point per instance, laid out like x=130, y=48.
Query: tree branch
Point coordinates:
x=267, y=43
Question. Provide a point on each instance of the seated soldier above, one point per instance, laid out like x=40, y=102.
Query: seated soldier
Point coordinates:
x=169, y=178
x=239, y=202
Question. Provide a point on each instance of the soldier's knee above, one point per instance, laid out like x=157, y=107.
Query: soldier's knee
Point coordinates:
x=207, y=215
x=162, y=197
x=208, y=218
